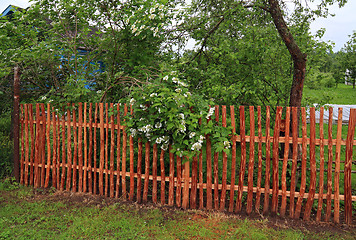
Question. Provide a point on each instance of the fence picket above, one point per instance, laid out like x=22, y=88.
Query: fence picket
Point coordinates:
x=224, y=170
x=337, y=169
x=193, y=192
x=330, y=162
x=216, y=167
x=201, y=183
x=90, y=150
x=112, y=152
x=154, y=173
x=132, y=179
x=251, y=161
x=304, y=165
x=85, y=134
x=294, y=160
x=163, y=177
x=209, y=176
x=179, y=182
x=348, y=167
x=185, y=202
x=26, y=144
x=268, y=162
x=147, y=171
x=310, y=200
x=171, y=178
x=55, y=169
x=139, y=170
x=95, y=187
x=80, y=146
x=233, y=160
x=284, y=168
x=48, y=148
x=243, y=160
x=69, y=150
x=259, y=172
x=75, y=152
x=118, y=150
x=22, y=139
x=63, y=153
x=106, y=164
x=124, y=149
x=321, y=172
x=102, y=149
x=275, y=161
x=43, y=144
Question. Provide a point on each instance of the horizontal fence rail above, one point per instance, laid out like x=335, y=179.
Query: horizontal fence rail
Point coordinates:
x=278, y=170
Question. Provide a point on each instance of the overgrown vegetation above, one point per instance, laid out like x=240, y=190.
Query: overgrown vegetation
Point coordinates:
x=36, y=214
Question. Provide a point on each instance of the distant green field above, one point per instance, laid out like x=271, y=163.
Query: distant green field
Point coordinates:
x=343, y=94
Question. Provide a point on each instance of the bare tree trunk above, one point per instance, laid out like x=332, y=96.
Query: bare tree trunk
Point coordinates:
x=299, y=58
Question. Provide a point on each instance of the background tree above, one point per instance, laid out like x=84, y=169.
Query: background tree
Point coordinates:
x=349, y=59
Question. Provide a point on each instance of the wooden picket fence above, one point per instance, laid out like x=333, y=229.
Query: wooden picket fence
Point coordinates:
x=87, y=150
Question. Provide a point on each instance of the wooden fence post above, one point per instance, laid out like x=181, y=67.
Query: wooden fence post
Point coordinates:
x=348, y=167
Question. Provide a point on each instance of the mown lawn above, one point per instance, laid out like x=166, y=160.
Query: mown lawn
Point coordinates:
x=26, y=213
x=343, y=94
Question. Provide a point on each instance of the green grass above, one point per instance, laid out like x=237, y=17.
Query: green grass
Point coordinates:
x=343, y=94
x=34, y=214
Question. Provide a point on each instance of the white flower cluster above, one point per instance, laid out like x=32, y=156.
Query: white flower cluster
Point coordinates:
x=158, y=125
x=197, y=146
x=180, y=83
x=153, y=95
x=166, y=78
x=143, y=107
x=145, y=129
x=210, y=113
x=182, y=128
x=181, y=115
x=133, y=132
x=226, y=144
x=132, y=101
x=191, y=135
x=43, y=98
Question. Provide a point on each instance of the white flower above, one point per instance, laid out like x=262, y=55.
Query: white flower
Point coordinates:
x=158, y=125
x=178, y=90
x=161, y=15
x=153, y=95
x=165, y=78
x=152, y=16
x=181, y=115
x=157, y=5
x=196, y=146
x=43, y=98
x=201, y=138
x=142, y=27
x=160, y=7
x=132, y=101
x=210, y=113
x=133, y=132
x=175, y=80
x=144, y=108
x=164, y=147
x=134, y=29
x=51, y=100
x=152, y=10
x=226, y=144
x=192, y=134
x=127, y=21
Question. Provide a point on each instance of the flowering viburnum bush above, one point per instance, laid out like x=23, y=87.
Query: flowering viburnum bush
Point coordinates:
x=167, y=113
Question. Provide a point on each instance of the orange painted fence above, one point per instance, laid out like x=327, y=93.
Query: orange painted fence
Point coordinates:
x=87, y=150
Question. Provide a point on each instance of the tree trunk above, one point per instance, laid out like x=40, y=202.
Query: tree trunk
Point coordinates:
x=299, y=58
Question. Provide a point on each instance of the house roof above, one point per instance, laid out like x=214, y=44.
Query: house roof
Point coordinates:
x=10, y=10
